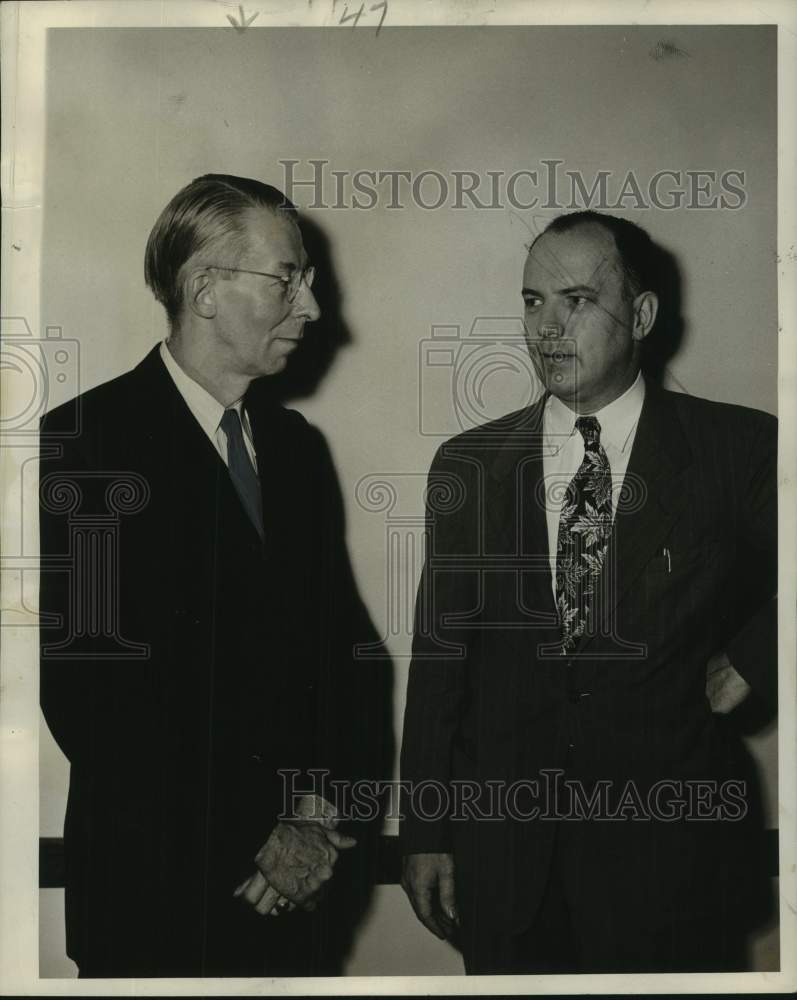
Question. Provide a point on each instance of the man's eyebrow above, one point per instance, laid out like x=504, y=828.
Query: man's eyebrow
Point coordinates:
x=570, y=290
x=579, y=289
x=291, y=265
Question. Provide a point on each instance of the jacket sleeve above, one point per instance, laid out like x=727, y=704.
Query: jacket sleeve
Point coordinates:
x=753, y=648
x=436, y=691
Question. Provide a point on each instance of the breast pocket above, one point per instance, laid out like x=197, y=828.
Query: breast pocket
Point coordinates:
x=677, y=560
x=680, y=586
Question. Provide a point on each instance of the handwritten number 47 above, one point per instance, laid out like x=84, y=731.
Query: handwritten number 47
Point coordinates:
x=346, y=16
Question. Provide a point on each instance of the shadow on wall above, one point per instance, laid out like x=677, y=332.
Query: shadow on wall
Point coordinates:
x=357, y=703
x=669, y=333
x=322, y=339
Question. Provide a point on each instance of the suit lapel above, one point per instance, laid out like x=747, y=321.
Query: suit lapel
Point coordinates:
x=653, y=498
x=197, y=472
x=515, y=513
x=172, y=425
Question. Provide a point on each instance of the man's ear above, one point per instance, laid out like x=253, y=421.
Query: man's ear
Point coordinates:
x=199, y=293
x=646, y=305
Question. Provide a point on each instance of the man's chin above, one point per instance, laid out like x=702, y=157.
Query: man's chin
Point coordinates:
x=274, y=366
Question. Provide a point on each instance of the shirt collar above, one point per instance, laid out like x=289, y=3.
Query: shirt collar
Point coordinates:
x=617, y=419
x=206, y=408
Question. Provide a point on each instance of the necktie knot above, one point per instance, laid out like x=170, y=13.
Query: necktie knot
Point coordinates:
x=231, y=423
x=590, y=429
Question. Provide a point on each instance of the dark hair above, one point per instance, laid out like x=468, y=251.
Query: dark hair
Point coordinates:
x=638, y=254
x=208, y=210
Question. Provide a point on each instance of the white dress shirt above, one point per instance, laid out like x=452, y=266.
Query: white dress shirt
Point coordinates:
x=564, y=451
x=207, y=410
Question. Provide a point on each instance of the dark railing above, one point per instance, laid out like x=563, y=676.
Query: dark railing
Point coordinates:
x=388, y=868
x=51, y=862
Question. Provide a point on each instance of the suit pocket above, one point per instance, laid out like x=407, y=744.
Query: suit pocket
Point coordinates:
x=679, y=560
x=678, y=591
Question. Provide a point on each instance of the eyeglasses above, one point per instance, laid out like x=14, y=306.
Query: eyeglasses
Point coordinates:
x=290, y=284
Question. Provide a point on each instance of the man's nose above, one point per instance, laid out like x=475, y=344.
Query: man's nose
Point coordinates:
x=305, y=304
x=546, y=324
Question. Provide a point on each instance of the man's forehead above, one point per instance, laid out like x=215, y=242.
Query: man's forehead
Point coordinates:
x=275, y=234
x=582, y=255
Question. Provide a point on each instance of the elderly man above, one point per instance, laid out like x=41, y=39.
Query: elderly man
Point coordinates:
x=611, y=541
x=189, y=656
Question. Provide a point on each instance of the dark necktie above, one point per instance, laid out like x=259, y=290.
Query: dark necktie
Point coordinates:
x=585, y=523
x=242, y=473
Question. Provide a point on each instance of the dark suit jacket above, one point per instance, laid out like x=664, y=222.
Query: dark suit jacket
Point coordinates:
x=487, y=701
x=183, y=661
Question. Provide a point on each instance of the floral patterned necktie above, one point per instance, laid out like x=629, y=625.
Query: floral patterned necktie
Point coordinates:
x=585, y=523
